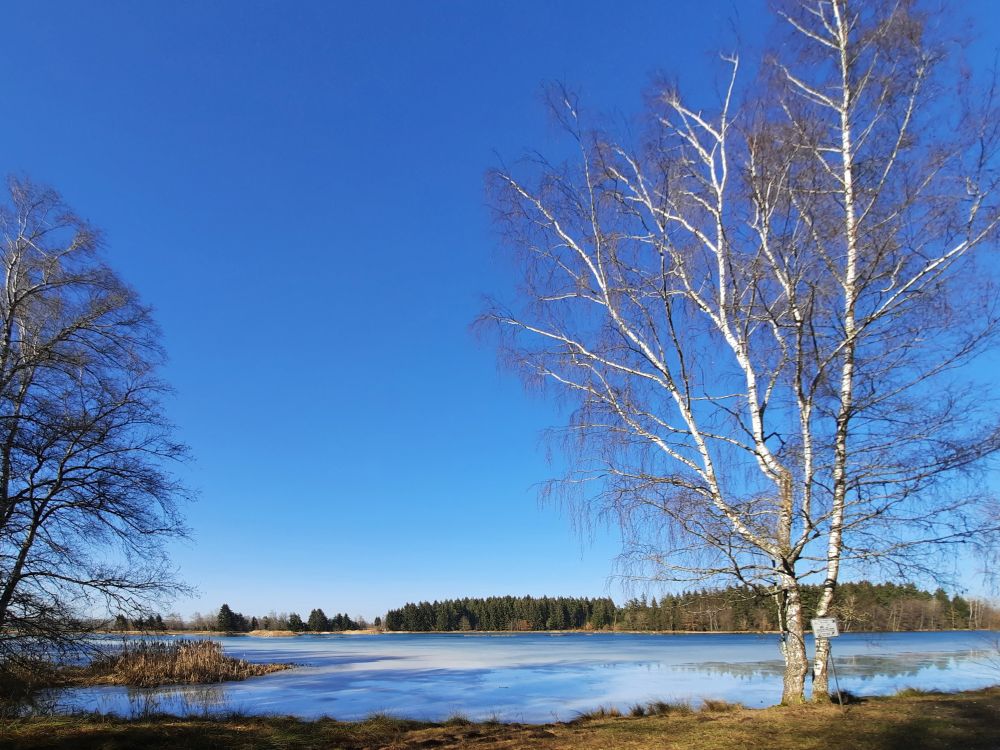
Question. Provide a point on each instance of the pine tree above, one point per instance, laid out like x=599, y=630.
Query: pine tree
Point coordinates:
x=318, y=621
x=226, y=621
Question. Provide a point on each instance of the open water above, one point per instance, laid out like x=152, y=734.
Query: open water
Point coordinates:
x=540, y=677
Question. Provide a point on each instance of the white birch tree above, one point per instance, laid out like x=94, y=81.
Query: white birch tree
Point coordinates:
x=768, y=316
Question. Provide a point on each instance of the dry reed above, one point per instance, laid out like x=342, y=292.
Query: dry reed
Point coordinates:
x=143, y=663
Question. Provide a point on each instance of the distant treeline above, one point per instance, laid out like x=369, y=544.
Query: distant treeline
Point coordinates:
x=228, y=621
x=504, y=613
x=237, y=622
x=860, y=606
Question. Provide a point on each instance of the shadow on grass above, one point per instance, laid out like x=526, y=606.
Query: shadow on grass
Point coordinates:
x=925, y=721
x=221, y=733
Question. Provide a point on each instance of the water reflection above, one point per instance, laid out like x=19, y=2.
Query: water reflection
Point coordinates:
x=537, y=677
x=863, y=666
x=188, y=700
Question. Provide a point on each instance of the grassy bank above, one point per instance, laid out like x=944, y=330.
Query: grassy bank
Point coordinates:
x=913, y=721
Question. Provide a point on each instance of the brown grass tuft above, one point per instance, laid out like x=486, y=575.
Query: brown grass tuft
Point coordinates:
x=601, y=712
x=712, y=705
x=662, y=708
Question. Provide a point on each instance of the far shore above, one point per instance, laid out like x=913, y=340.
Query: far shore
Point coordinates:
x=377, y=631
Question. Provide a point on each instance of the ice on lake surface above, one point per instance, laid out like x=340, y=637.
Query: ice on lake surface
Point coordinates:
x=541, y=677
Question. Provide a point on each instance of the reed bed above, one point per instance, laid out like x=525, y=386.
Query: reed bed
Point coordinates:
x=144, y=663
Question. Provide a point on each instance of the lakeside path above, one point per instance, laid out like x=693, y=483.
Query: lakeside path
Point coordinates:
x=921, y=722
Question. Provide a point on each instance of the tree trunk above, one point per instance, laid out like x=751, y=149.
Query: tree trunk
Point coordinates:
x=793, y=647
x=821, y=673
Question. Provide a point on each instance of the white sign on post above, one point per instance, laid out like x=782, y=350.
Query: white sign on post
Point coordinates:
x=825, y=627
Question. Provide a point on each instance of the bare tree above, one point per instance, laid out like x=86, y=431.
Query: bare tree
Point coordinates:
x=86, y=498
x=765, y=314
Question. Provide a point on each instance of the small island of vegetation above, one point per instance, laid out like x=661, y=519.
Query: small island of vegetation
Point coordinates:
x=151, y=663
x=136, y=663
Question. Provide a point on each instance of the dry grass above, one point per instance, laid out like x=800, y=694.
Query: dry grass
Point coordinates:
x=913, y=692
x=711, y=705
x=601, y=712
x=21, y=684
x=661, y=708
x=154, y=663
x=970, y=721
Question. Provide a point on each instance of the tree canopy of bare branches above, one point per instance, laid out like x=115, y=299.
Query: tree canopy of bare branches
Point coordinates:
x=86, y=496
x=768, y=315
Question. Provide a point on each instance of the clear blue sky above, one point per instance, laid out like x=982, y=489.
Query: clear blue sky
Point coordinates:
x=297, y=188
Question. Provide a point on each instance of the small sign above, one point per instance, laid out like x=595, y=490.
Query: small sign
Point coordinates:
x=825, y=627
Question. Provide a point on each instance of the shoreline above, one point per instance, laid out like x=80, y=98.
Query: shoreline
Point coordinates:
x=968, y=720
x=373, y=631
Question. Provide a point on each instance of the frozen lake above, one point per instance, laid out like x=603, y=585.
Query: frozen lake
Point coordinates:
x=540, y=677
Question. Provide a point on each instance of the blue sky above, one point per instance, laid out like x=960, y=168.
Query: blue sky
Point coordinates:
x=297, y=188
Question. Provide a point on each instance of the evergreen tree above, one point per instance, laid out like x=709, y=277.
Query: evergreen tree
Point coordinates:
x=295, y=623
x=442, y=623
x=226, y=620
x=318, y=621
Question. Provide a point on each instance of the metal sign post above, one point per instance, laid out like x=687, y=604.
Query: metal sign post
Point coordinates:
x=826, y=627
